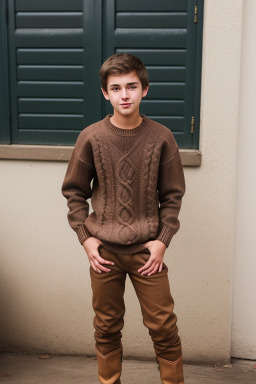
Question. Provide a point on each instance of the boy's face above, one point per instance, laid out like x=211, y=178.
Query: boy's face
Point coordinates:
x=125, y=93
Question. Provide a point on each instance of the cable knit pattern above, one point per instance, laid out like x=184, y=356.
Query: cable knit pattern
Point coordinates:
x=153, y=156
x=102, y=170
x=138, y=184
x=125, y=177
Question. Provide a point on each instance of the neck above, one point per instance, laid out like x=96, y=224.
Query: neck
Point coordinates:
x=126, y=122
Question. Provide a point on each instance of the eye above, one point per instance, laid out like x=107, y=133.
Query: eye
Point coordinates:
x=115, y=89
x=133, y=87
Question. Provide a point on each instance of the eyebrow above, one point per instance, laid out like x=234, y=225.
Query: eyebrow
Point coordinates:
x=118, y=85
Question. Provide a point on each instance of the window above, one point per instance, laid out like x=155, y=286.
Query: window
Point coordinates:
x=51, y=52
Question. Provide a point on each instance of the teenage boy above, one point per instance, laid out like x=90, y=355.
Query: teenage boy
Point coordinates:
x=138, y=184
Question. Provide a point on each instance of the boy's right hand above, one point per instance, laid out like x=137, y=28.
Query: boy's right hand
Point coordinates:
x=91, y=246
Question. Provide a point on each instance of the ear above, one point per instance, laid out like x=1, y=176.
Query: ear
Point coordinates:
x=105, y=94
x=145, y=91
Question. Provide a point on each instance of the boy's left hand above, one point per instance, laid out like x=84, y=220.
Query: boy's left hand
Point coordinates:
x=155, y=262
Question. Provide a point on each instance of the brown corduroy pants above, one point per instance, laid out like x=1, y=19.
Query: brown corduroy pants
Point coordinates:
x=154, y=296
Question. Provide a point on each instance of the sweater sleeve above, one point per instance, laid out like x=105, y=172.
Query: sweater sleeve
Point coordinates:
x=76, y=188
x=171, y=188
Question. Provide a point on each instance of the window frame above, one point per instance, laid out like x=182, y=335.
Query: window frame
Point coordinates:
x=190, y=157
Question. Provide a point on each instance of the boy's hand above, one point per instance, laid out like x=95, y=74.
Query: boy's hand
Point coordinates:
x=155, y=262
x=91, y=246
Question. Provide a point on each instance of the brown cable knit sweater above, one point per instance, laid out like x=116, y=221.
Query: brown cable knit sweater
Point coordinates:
x=138, y=184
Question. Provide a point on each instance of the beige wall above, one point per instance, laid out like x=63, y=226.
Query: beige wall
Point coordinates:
x=244, y=309
x=44, y=280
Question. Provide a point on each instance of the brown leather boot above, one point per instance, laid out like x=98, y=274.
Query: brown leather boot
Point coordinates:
x=171, y=372
x=110, y=366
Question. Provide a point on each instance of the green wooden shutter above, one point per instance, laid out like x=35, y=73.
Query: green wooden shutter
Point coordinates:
x=166, y=36
x=55, y=46
x=4, y=90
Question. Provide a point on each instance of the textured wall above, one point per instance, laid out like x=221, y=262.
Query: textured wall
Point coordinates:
x=44, y=280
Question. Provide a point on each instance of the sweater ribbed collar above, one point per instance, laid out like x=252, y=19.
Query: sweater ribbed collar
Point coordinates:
x=123, y=131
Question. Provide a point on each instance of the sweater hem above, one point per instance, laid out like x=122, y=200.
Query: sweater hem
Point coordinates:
x=125, y=249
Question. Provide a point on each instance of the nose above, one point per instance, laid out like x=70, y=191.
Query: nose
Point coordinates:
x=124, y=94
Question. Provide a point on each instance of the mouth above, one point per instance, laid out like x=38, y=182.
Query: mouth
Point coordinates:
x=126, y=105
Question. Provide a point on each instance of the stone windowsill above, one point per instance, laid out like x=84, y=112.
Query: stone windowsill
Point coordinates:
x=189, y=157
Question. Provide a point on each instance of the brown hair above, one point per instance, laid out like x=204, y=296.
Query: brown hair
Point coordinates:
x=121, y=63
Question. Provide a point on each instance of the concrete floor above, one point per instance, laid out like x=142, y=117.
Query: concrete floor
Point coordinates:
x=36, y=369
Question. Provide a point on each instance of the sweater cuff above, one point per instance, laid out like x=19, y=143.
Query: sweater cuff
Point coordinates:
x=82, y=233
x=166, y=234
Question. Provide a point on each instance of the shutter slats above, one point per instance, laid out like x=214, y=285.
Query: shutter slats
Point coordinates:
x=50, y=106
x=163, y=107
x=49, y=56
x=166, y=73
x=166, y=91
x=50, y=89
x=41, y=137
x=161, y=57
x=153, y=5
x=49, y=37
x=151, y=20
x=46, y=20
x=55, y=122
x=148, y=38
x=49, y=5
x=177, y=122
x=57, y=72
